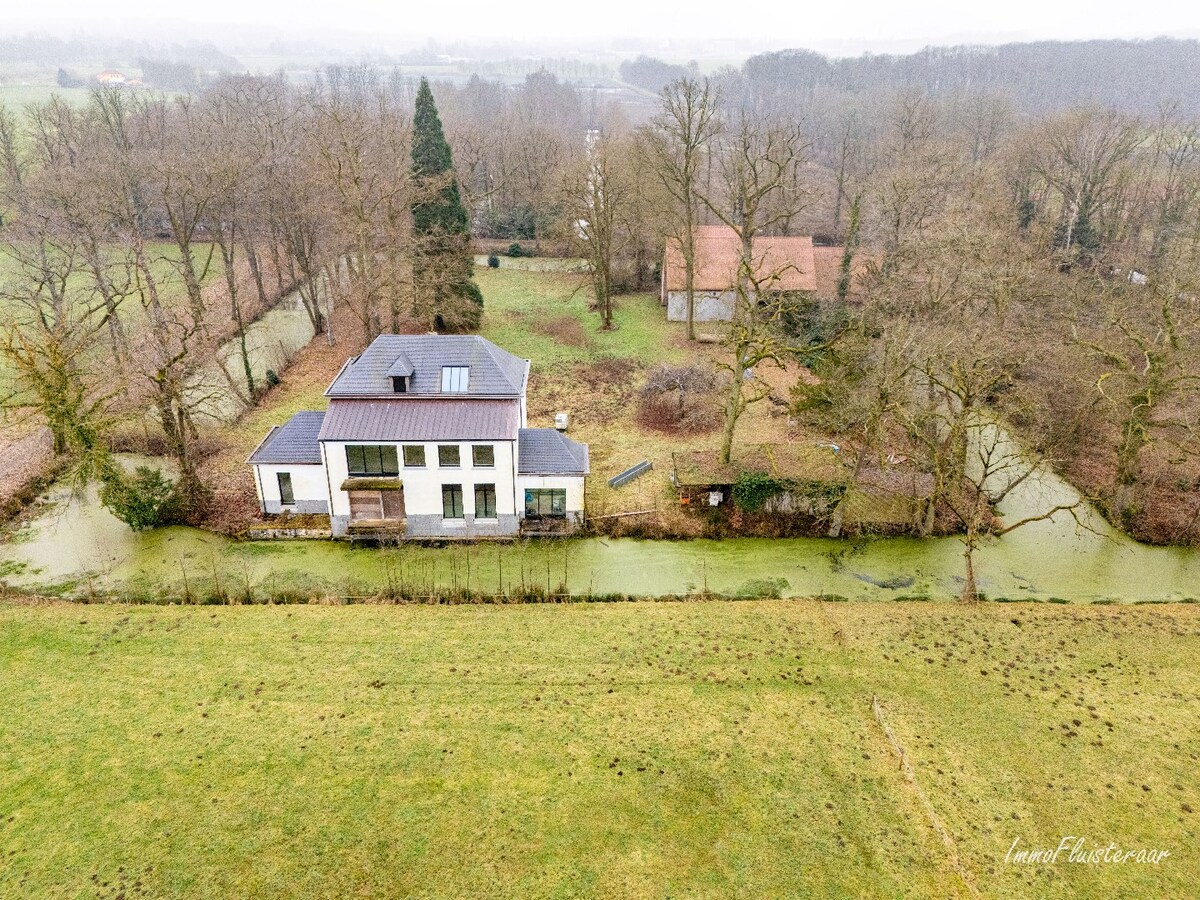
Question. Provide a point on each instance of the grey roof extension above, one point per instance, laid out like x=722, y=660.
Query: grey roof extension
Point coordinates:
x=544, y=451
x=294, y=443
x=494, y=372
x=422, y=419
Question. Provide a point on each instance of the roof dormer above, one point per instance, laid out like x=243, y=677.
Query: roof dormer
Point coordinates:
x=401, y=373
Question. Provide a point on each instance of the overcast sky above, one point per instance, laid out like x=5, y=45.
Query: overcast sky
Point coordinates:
x=832, y=27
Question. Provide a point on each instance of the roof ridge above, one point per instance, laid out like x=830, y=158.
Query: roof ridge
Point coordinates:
x=489, y=346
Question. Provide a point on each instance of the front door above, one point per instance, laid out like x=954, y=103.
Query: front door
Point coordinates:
x=376, y=506
x=366, y=506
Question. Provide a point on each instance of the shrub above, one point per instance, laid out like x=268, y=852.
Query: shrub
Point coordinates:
x=679, y=400
x=514, y=249
x=493, y=261
x=145, y=499
x=752, y=490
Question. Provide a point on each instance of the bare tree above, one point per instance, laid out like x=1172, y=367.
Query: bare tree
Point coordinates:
x=757, y=189
x=680, y=138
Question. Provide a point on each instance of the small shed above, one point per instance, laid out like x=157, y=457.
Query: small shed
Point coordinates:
x=798, y=478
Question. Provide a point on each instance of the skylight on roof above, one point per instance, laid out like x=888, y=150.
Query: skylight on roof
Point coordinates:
x=454, y=379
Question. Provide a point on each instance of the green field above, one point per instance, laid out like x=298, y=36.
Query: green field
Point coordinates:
x=17, y=96
x=648, y=749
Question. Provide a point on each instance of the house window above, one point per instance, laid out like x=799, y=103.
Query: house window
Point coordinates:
x=372, y=459
x=454, y=379
x=452, y=501
x=546, y=503
x=399, y=384
x=485, y=501
x=448, y=457
x=414, y=456
x=287, y=496
x=483, y=456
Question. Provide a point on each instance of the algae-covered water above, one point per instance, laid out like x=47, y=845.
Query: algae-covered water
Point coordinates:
x=271, y=341
x=75, y=540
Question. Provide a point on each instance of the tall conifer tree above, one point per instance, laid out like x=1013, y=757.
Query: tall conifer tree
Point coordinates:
x=445, y=294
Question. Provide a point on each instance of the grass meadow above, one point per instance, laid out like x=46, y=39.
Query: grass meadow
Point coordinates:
x=631, y=749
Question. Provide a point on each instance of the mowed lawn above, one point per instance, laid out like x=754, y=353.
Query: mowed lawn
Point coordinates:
x=635, y=749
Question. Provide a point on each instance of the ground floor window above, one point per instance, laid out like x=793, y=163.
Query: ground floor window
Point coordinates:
x=546, y=502
x=287, y=496
x=485, y=501
x=452, y=501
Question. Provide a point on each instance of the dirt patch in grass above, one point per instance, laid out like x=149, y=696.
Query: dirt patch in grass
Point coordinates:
x=566, y=330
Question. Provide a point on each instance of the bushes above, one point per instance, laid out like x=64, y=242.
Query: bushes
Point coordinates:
x=752, y=490
x=679, y=400
x=493, y=261
x=514, y=250
x=145, y=499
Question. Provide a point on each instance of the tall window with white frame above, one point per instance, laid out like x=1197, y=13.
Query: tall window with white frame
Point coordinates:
x=485, y=501
x=287, y=496
x=452, y=501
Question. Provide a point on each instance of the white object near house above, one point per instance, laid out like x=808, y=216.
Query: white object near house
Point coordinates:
x=424, y=436
x=561, y=421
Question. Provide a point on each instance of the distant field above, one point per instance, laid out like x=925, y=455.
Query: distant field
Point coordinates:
x=17, y=96
x=638, y=750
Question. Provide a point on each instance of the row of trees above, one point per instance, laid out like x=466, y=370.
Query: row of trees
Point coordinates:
x=119, y=215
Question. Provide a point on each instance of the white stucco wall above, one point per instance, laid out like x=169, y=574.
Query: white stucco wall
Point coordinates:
x=308, y=486
x=710, y=306
x=423, y=486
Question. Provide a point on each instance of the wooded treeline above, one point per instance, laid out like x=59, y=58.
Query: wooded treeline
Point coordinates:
x=119, y=213
x=1040, y=271
x=1039, y=77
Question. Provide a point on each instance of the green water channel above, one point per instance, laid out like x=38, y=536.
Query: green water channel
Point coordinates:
x=74, y=540
x=271, y=341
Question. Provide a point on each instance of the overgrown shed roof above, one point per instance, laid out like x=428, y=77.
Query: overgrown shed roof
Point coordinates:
x=794, y=462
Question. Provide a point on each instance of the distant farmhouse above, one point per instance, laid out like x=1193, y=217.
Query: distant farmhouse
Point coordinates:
x=111, y=77
x=425, y=436
x=789, y=263
x=781, y=263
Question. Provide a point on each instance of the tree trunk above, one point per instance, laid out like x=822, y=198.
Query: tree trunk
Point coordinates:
x=969, y=593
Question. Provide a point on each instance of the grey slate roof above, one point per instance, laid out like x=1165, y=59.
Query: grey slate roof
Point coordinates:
x=421, y=420
x=494, y=372
x=294, y=442
x=401, y=366
x=544, y=451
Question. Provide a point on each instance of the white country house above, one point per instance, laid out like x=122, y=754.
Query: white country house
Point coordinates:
x=425, y=436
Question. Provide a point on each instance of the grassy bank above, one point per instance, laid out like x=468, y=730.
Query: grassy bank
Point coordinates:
x=628, y=749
